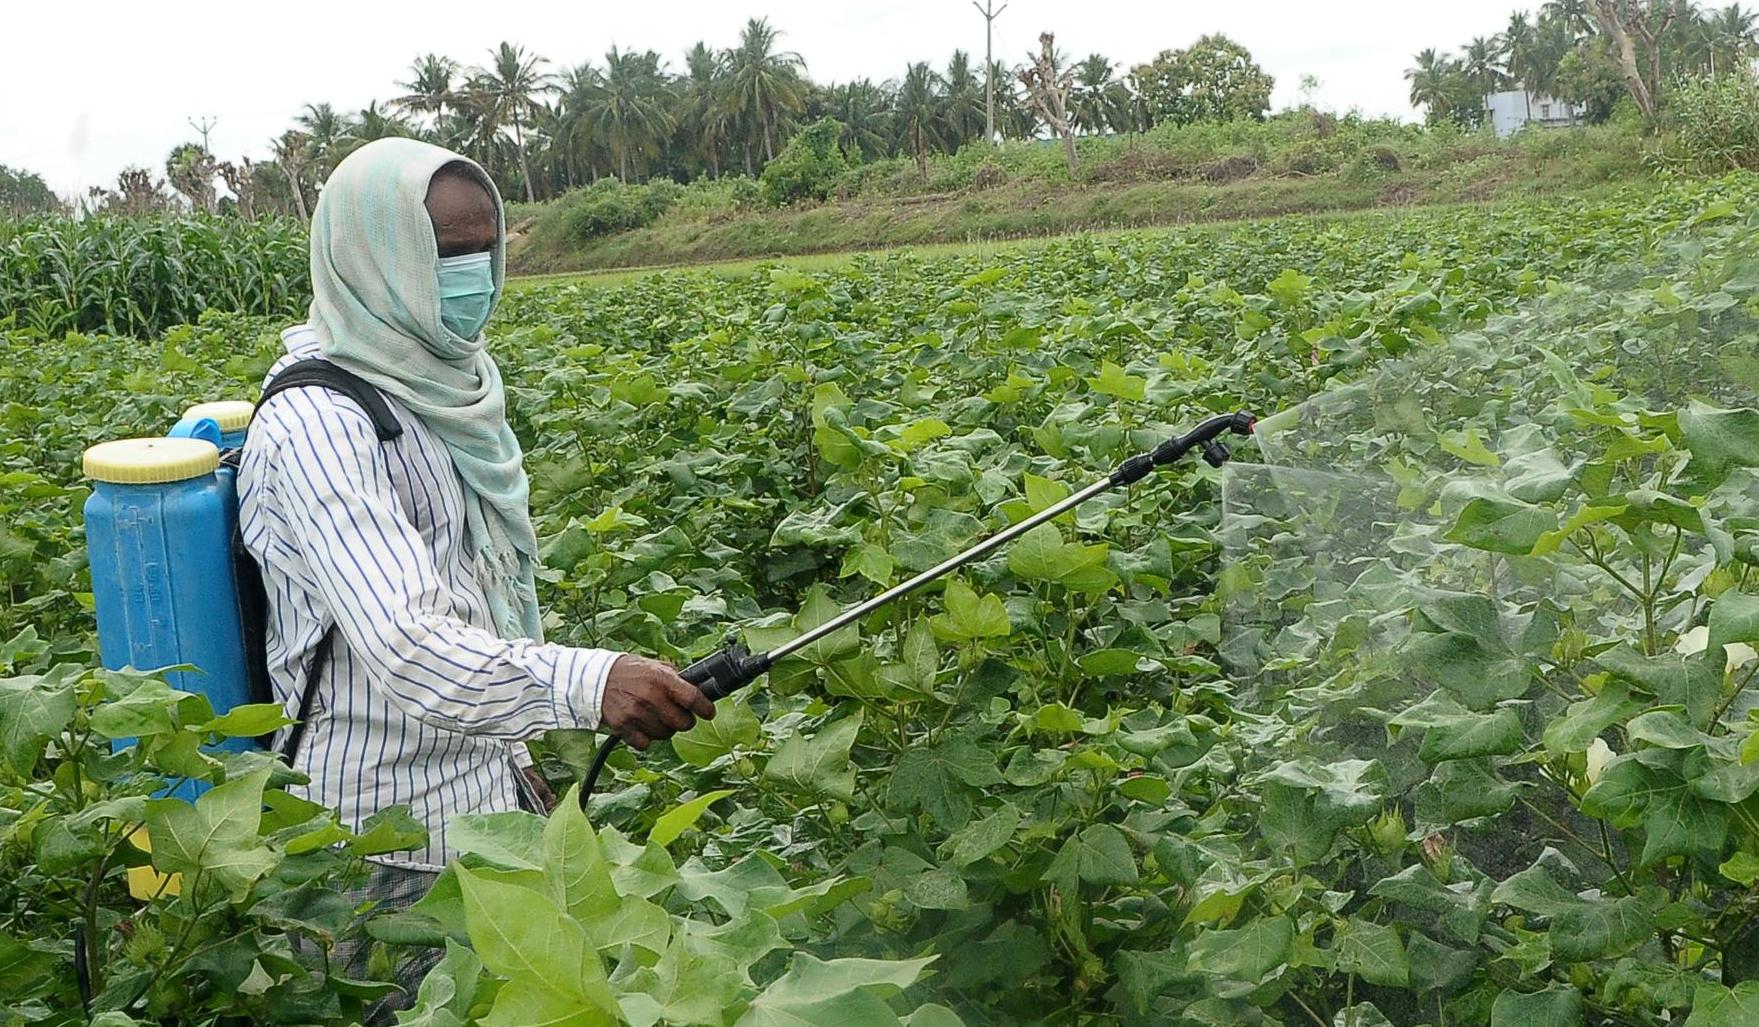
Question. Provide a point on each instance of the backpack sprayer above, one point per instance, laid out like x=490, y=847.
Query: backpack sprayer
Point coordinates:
x=732, y=667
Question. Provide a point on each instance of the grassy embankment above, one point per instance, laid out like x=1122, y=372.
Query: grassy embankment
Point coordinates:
x=1296, y=164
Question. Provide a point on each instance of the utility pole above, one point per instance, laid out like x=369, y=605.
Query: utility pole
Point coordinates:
x=204, y=127
x=990, y=13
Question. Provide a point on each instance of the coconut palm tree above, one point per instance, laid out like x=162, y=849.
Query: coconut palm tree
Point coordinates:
x=703, y=121
x=429, y=89
x=763, y=86
x=864, y=111
x=373, y=123
x=1429, y=81
x=916, y=110
x=1573, y=14
x=580, y=87
x=1517, y=48
x=1480, y=64
x=507, y=92
x=962, y=94
x=629, y=111
x=329, y=136
x=1734, y=35
x=1099, y=101
x=1014, y=117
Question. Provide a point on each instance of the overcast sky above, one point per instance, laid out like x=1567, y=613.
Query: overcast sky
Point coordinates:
x=90, y=86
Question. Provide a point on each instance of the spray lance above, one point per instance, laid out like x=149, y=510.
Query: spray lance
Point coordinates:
x=732, y=667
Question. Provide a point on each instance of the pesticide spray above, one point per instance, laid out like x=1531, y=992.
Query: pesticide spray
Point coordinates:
x=1402, y=560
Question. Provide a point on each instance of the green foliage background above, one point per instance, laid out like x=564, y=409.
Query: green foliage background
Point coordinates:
x=1151, y=765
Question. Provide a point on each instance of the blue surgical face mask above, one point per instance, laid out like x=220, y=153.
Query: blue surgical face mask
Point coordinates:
x=467, y=292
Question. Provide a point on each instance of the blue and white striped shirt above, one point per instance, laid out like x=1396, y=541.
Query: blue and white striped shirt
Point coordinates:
x=420, y=703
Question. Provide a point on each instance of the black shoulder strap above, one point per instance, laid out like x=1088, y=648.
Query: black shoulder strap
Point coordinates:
x=325, y=375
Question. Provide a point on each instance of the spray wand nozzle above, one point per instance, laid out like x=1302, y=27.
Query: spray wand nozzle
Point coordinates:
x=733, y=666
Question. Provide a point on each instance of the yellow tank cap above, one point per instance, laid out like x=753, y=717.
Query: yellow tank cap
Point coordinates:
x=150, y=461
x=229, y=414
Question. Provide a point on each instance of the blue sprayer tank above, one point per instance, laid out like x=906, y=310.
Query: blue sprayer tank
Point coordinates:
x=159, y=530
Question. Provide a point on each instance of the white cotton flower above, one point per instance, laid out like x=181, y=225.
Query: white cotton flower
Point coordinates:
x=1697, y=640
x=1739, y=655
x=1694, y=641
x=1599, y=755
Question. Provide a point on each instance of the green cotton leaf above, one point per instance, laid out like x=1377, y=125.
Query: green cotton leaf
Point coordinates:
x=980, y=838
x=1741, y=868
x=932, y=1015
x=847, y=992
x=871, y=561
x=1057, y=719
x=1042, y=555
x=1582, y=930
x=33, y=709
x=1584, y=721
x=1552, y=541
x=248, y=721
x=1538, y=477
x=1665, y=728
x=1734, y=618
x=150, y=708
x=681, y=818
x=554, y=974
x=749, y=883
x=693, y=983
x=939, y=888
x=1044, y=493
x=1290, y=287
x=818, y=765
x=215, y=840
x=1647, y=506
x=923, y=432
x=1719, y=438
x=1372, y=952
x=1694, y=684
x=1113, y=381
x=1145, y=975
x=1470, y=448
x=734, y=726
x=1099, y=855
x=1502, y=526
x=1453, y=732
x=448, y=991
x=1556, y=1006
x=1109, y=662
x=633, y=921
x=942, y=780
x=391, y=829
x=969, y=617
x=573, y=863
x=1249, y=954
x=513, y=838
x=1478, y=677
x=1675, y=821
x=1716, y=1006
x=1460, y=908
x=23, y=965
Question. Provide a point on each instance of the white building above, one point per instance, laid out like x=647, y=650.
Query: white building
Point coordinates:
x=1514, y=109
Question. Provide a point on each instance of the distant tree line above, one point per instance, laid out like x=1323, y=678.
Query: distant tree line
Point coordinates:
x=1589, y=52
x=542, y=129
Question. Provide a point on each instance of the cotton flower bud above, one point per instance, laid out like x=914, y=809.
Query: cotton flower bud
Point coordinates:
x=1598, y=756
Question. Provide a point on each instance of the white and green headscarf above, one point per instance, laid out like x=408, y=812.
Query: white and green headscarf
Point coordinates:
x=376, y=311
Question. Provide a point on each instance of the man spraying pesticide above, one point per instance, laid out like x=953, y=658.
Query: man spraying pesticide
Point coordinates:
x=383, y=506
x=381, y=574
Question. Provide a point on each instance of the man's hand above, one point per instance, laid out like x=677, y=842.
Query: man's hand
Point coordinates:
x=645, y=701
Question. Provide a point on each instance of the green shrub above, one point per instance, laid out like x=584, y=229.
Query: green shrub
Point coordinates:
x=808, y=168
x=1717, y=119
